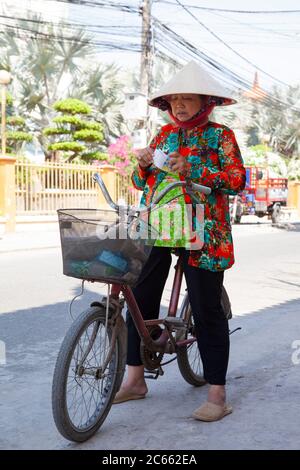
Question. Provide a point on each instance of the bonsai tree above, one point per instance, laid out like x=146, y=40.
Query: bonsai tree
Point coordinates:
x=75, y=134
x=16, y=133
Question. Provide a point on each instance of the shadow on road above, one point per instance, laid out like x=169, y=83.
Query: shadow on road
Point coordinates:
x=258, y=374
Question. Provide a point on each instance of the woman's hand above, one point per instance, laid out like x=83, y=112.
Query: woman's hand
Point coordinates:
x=145, y=157
x=178, y=162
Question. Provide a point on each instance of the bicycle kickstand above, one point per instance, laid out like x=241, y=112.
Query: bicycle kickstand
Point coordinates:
x=233, y=331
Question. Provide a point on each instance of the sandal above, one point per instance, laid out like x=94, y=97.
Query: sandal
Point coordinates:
x=211, y=412
x=126, y=395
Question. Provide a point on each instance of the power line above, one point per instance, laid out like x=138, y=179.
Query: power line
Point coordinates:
x=257, y=28
x=175, y=41
x=192, y=52
x=227, y=74
x=228, y=46
x=264, y=12
x=192, y=48
x=93, y=3
x=64, y=23
x=34, y=34
x=132, y=9
x=134, y=31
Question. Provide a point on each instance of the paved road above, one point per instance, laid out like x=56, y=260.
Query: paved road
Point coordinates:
x=262, y=381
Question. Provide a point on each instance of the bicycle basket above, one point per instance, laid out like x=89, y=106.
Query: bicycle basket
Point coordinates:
x=102, y=245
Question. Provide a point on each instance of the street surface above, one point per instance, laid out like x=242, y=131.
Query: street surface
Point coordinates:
x=263, y=381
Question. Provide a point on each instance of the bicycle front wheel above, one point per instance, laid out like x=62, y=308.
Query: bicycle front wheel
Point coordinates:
x=83, y=385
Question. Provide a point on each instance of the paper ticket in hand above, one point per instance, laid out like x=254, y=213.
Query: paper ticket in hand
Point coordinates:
x=161, y=160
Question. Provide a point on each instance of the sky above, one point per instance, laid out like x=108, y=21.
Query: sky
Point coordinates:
x=270, y=42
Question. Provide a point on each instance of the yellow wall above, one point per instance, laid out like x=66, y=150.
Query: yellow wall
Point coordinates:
x=7, y=192
x=294, y=195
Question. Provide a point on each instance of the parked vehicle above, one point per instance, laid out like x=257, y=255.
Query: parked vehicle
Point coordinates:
x=263, y=195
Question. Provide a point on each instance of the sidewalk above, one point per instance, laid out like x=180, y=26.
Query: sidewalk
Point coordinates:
x=36, y=236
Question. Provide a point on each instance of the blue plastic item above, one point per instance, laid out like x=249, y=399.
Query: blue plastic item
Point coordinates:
x=114, y=260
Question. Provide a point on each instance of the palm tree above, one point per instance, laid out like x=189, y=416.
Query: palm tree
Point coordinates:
x=292, y=130
x=265, y=122
x=278, y=124
x=102, y=90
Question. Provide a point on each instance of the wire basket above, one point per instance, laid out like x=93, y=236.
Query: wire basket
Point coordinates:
x=102, y=245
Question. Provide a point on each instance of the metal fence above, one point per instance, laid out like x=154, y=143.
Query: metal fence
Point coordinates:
x=41, y=189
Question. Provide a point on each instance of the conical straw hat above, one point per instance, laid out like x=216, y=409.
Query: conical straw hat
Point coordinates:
x=191, y=79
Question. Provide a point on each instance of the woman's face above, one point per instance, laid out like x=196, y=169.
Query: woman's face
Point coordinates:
x=185, y=106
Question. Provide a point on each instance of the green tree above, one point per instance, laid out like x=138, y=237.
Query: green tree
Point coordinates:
x=275, y=124
x=238, y=117
x=16, y=132
x=262, y=155
x=273, y=127
x=50, y=64
x=75, y=134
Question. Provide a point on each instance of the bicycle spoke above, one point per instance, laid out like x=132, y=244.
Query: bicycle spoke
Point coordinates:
x=85, y=393
x=194, y=358
x=80, y=400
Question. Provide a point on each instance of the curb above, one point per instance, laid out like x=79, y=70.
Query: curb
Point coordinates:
x=27, y=248
x=291, y=226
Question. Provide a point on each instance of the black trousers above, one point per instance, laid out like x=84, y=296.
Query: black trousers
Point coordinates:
x=204, y=289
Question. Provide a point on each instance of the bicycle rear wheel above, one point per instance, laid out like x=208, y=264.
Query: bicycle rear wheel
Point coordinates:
x=82, y=392
x=188, y=357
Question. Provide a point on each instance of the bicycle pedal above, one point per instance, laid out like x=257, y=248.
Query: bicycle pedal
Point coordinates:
x=155, y=373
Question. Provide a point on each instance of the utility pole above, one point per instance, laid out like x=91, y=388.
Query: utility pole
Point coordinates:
x=146, y=58
x=146, y=62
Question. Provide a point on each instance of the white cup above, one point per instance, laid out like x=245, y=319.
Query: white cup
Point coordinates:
x=161, y=160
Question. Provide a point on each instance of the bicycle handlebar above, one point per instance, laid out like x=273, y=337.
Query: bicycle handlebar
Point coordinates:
x=189, y=185
x=201, y=189
x=183, y=184
x=98, y=179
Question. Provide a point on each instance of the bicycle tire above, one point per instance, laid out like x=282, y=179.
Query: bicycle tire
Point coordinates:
x=191, y=370
x=184, y=353
x=226, y=304
x=98, y=409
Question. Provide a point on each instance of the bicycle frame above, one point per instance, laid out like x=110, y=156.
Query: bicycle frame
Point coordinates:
x=158, y=345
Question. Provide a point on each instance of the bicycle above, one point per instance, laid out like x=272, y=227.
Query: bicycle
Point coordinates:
x=91, y=362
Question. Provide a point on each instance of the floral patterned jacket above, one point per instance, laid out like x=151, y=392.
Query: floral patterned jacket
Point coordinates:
x=214, y=160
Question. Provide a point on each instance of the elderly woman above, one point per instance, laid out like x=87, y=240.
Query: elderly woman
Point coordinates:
x=207, y=153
